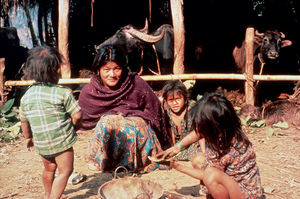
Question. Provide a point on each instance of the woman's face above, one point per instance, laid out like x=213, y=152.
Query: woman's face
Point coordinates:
x=110, y=74
x=175, y=102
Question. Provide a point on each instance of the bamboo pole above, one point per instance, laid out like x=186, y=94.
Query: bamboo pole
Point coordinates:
x=179, y=36
x=249, y=89
x=210, y=76
x=63, y=34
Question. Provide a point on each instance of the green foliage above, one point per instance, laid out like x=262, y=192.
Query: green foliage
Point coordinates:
x=282, y=125
x=8, y=105
x=9, y=125
x=247, y=122
x=7, y=111
x=9, y=134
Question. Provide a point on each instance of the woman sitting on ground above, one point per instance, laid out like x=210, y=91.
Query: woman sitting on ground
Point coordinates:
x=125, y=113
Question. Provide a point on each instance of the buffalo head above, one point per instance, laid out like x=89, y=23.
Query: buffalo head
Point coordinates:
x=270, y=43
x=136, y=41
x=267, y=46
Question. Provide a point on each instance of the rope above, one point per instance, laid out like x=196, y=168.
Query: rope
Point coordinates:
x=261, y=66
x=248, y=80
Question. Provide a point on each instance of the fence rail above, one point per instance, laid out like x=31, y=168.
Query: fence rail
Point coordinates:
x=171, y=77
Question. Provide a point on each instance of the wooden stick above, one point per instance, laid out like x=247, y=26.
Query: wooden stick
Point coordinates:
x=9, y=195
x=172, y=77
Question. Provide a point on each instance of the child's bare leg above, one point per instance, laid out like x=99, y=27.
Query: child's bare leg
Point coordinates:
x=199, y=161
x=48, y=175
x=220, y=185
x=64, y=163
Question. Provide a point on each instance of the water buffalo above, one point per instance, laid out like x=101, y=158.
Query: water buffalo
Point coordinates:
x=266, y=49
x=145, y=49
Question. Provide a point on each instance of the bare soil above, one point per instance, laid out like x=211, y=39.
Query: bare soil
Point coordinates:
x=277, y=156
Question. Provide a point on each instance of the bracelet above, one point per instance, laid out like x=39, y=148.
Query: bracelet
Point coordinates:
x=180, y=146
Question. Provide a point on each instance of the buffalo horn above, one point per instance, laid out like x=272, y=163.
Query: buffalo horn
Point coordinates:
x=146, y=27
x=258, y=33
x=144, y=36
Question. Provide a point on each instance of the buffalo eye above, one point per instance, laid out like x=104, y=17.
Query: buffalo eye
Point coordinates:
x=279, y=42
x=266, y=40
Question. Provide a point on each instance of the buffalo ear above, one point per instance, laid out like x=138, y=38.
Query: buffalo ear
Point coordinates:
x=257, y=40
x=258, y=37
x=286, y=43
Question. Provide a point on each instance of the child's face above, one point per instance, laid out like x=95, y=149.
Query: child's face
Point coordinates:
x=175, y=102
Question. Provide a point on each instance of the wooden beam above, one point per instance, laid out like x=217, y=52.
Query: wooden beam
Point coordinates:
x=249, y=88
x=179, y=35
x=63, y=35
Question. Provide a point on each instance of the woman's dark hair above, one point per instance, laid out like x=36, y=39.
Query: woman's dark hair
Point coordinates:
x=110, y=53
x=42, y=64
x=215, y=119
x=173, y=86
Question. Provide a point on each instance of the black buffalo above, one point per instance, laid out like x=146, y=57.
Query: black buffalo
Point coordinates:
x=10, y=49
x=266, y=50
x=268, y=59
x=146, y=50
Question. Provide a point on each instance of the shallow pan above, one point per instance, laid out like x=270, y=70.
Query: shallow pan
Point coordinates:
x=130, y=188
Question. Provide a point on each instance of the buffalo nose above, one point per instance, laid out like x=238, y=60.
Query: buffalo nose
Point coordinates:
x=273, y=55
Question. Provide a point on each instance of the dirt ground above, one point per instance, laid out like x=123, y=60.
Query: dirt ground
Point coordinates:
x=277, y=156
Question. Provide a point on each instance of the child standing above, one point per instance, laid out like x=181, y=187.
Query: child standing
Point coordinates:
x=49, y=116
x=175, y=96
x=230, y=169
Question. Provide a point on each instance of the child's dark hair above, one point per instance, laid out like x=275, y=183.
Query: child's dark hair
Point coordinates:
x=215, y=119
x=173, y=86
x=42, y=64
x=110, y=53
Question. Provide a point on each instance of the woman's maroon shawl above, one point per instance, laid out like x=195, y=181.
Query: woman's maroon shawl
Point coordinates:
x=134, y=98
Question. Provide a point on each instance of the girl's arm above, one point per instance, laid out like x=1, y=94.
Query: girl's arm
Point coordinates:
x=26, y=129
x=25, y=126
x=173, y=136
x=179, y=146
x=202, y=145
x=76, y=120
x=190, y=139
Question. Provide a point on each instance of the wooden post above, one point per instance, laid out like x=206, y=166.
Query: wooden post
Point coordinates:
x=179, y=35
x=63, y=34
x=249, y=89
x=2, y=67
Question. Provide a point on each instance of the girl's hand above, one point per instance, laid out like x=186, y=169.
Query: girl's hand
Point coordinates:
x=169, y=153
x=29, y=144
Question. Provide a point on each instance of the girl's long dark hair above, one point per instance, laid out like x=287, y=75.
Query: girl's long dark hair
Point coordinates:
x=42, y=64
x=215, y=119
